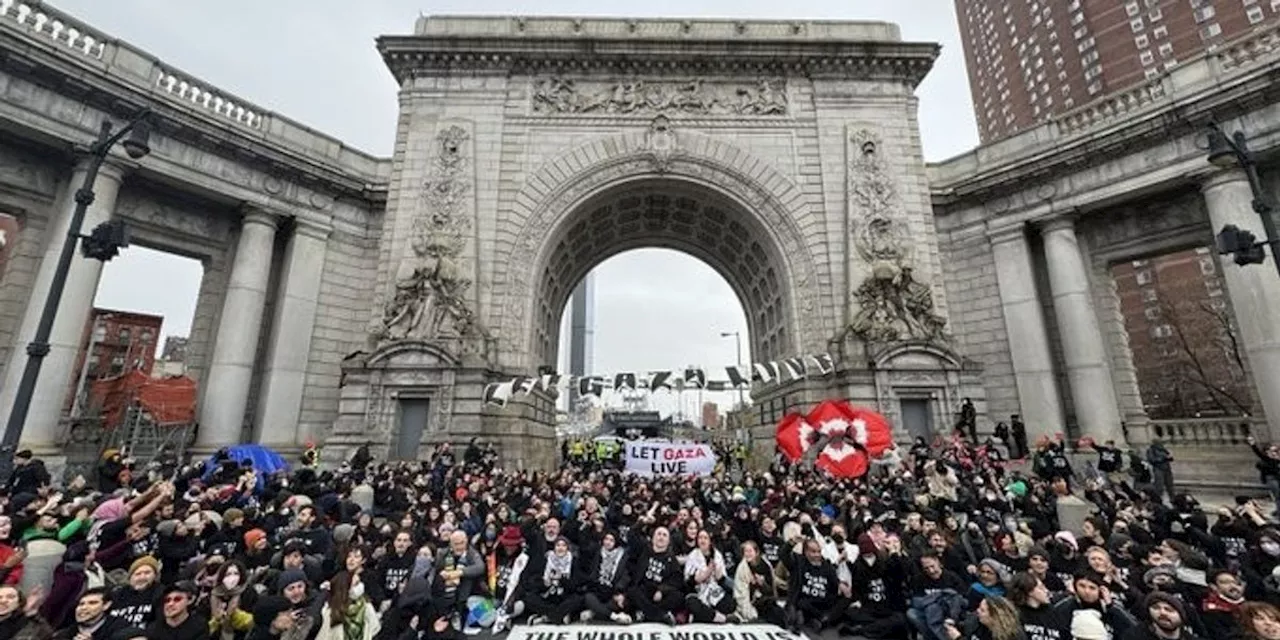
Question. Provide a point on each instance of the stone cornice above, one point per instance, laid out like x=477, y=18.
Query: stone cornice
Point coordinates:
x=117, y=78
x=410, y=56
x=1212, y=87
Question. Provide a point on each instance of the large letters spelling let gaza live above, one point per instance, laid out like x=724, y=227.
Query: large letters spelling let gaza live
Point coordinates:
x=670, y=459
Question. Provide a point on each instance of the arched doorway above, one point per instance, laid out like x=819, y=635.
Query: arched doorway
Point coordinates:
x=674, y=214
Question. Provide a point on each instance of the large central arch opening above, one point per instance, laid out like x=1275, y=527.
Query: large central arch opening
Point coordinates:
x=674, y=214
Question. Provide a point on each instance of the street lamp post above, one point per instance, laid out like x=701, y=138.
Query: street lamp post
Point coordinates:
x=1231, y=151
x=737, y=341
x=136, y=146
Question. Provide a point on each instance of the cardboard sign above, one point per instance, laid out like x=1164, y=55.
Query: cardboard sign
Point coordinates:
x=670, y=459
x=654, y=632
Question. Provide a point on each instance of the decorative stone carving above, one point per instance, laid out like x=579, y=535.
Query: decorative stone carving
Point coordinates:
x=662, y=143
x=556, y=96
x=892, y=306
x=429, y=299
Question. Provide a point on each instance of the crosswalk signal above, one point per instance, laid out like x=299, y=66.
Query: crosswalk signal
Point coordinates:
x=1241, y=244
x=105, y=241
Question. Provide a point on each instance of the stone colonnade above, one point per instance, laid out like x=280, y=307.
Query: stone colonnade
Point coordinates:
x=224, y=402
x=1254, y=293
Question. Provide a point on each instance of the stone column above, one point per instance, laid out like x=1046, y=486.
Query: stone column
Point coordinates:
x=1028, y=339
x=58, y=373
x=1254, y=289
x=288, y=351
x=226, y=391
x=1093, y=393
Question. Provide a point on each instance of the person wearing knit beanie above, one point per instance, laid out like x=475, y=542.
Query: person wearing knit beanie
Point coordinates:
x=343, y=533
x=167, y=528
x=1086, y=624
x=145, y=561
x=290, y=577
x=1160, y=597
x=253, y=537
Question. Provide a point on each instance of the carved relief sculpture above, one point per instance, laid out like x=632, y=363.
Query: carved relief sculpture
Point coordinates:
x=556, y=96
x=892, y=306
x=429, y=299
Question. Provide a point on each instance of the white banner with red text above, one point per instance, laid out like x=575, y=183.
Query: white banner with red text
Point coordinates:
x=649, y=631
x=672, y=459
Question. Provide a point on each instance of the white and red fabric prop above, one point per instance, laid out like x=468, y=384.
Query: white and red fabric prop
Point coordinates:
x=854, y=436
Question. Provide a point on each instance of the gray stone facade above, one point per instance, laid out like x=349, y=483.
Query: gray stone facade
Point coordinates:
x=339, y=286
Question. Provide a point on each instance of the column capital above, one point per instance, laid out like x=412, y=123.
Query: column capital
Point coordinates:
x=254, y=214
x=1222, y=177
x=112, y=167
x=1005, y=234
x=312, y=227
x=1058, y=223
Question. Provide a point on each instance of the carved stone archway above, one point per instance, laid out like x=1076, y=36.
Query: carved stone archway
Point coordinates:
x=761, y=205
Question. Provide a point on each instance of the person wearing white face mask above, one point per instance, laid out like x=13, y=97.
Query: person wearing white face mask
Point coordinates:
x=348, y=614
x=228, y=619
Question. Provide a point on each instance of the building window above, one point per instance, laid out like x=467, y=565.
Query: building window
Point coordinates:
x=1150, y=73
x=146, y=336
x=1255, y=15
x=1160, y=32
x=1166, y=49
x=1151, y=313
x=125, y=335
x=1143, y=276
x=1204, y=14
x=1149, y=295
x=1207, y=267
x=117, y=365
x=1210, y=31
x=1141, y=41
x=1147, y=58
x=1154, y=15
x=1132, y=9
x=1161, y=331
x=1170, y=64
x=1136, y=25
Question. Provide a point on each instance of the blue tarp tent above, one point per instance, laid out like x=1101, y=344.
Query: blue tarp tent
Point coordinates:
x=265, y=461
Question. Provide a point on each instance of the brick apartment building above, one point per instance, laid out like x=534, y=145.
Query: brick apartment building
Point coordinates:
x=1180, y=334
x=116, y=342
x=1030, y=60
x=710, y=415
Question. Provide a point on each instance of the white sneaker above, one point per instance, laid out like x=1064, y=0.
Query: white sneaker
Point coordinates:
x=500, y=622
x=537, y=620
x=621, y=617
x=586, y=616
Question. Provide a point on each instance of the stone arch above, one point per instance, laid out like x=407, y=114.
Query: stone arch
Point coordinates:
x=562, y=188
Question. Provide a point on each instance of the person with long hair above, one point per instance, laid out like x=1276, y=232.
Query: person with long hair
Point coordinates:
x=1258, y=621
x=605, y=592
x=705, y=572
x=348, y=614
x=1040, y=619
x=755, y=589
x=995, y=619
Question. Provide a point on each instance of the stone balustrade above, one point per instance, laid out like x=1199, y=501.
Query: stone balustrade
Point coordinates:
x=1111, y=107
x=43, y=21
x=201, y=96
x=119, y=62
x=1253, y=48
x=1206, y=431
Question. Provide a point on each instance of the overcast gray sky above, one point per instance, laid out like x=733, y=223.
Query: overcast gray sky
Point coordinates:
x=314, y=61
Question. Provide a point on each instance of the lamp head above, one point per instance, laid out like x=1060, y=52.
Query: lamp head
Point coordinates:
x=138, y=144
x=1221, y=152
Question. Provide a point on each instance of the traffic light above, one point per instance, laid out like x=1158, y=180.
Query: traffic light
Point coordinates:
x=105, y=241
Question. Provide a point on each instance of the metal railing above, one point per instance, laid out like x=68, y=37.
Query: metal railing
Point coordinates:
x=1206, y=431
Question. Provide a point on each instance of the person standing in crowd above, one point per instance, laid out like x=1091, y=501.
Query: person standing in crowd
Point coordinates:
x=1268, y=470
x=1018, y=430
x=968, y=423
x=1161, y=462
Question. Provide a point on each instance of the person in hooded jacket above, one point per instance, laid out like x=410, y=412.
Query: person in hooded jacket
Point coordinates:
x=552, y=588
x=605, y=589
x=876, y=578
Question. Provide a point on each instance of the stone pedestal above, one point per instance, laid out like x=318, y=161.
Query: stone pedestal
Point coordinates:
x=374, y=384
x=1071, y=513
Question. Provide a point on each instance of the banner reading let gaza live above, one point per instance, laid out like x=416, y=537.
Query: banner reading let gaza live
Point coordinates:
x=670, y=459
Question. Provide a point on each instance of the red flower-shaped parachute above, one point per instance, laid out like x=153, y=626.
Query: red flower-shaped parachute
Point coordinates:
x=855, y=435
